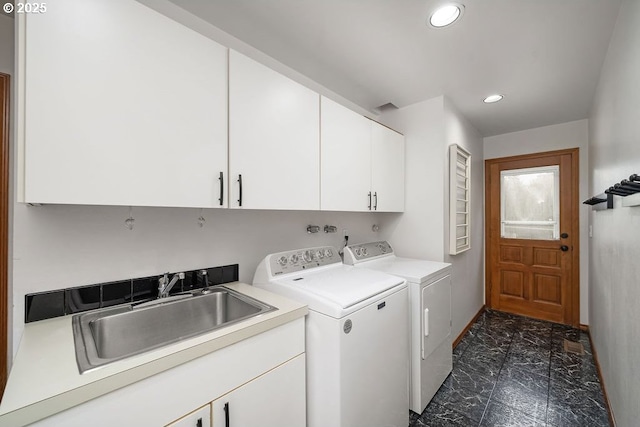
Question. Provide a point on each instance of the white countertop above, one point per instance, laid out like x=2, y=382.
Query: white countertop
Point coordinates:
x=44, y=378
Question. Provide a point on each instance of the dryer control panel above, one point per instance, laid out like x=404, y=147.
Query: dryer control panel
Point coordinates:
x=366, y=251
x=302, y=259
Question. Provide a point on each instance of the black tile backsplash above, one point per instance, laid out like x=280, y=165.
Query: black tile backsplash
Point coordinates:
x=190, y=281
x=229, y=273
x=115, y=293
x=145, y=288
x=214, y=276
x=46, y=305
x=82, y=299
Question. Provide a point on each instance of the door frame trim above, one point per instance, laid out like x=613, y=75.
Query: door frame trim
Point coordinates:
x=574, y=301
x=5, y=89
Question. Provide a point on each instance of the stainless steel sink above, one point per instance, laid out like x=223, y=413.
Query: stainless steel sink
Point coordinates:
x=111, y=334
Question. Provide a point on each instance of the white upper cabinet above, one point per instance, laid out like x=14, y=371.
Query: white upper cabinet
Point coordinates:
x=122, y=106
x=346, y=159
x=362, y=162
x=387, y=169
x=274, y=158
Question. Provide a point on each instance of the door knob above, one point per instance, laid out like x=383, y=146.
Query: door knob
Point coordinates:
x=564, y=235
x=564, y=248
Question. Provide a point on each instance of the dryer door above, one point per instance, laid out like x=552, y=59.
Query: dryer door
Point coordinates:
x=436, y=314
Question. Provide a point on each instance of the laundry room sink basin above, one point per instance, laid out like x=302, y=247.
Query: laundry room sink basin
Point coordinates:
x=104, y=336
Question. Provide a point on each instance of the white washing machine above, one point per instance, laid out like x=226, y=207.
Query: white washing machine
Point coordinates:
x=357, y=345
x=430, y=300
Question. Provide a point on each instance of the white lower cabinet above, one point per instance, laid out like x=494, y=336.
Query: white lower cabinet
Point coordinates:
x=275, y=399
x=198, y=418
x=262, y=378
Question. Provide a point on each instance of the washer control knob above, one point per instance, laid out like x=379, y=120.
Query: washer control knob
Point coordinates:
x=293, y=259
x=308, y=256
x=358, y=251
x=328, y=253
x=364, y=252
x=282, y=260
x=319, y=254
x=382, y=247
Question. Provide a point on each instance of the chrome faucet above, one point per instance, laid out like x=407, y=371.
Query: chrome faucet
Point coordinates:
x=205, y=288
x=164, y=285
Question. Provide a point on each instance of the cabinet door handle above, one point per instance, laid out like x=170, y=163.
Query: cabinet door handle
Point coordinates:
x=240, y=192
x=369, y=200
x=199, y=422
x=227, y=412
x=375, y=203
x=221, y=179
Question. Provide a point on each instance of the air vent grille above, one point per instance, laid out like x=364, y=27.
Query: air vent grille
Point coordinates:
x=386, y=107
x=573, y=347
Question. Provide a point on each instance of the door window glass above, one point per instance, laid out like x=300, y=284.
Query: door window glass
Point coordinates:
x=530, y=203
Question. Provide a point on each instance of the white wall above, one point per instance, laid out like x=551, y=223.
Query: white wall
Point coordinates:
x=61, y=246
x=421, y=232
x=614, y=150
x=418, y=232
x=550, y=138
x=468, y=267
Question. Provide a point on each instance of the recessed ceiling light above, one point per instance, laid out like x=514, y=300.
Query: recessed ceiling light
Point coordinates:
x=446, y=14
x=493, y=98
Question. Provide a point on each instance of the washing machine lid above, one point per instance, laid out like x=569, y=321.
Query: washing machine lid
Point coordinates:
x=337, y=290
x=413, y=270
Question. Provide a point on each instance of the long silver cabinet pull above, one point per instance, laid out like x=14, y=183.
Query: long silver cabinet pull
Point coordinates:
x=375, y=201
x=221, y=179
x=240, y=192
x=369, y=195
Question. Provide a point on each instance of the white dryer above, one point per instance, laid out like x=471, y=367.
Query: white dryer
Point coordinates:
x=357, y=346
x=430, y=300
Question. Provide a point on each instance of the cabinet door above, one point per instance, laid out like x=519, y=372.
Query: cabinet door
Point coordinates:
x=387, y=169
x=345, y=159
x=122, y=106
x=274, y=139
x=275, y=399
x=198, y=418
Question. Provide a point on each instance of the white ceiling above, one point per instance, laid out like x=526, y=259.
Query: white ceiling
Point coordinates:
x=543, y=55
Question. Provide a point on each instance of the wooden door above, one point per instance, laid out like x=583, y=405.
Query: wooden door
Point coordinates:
x=532, y=245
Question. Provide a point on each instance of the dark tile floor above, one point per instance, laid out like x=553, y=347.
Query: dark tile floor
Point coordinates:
x=513, y=371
